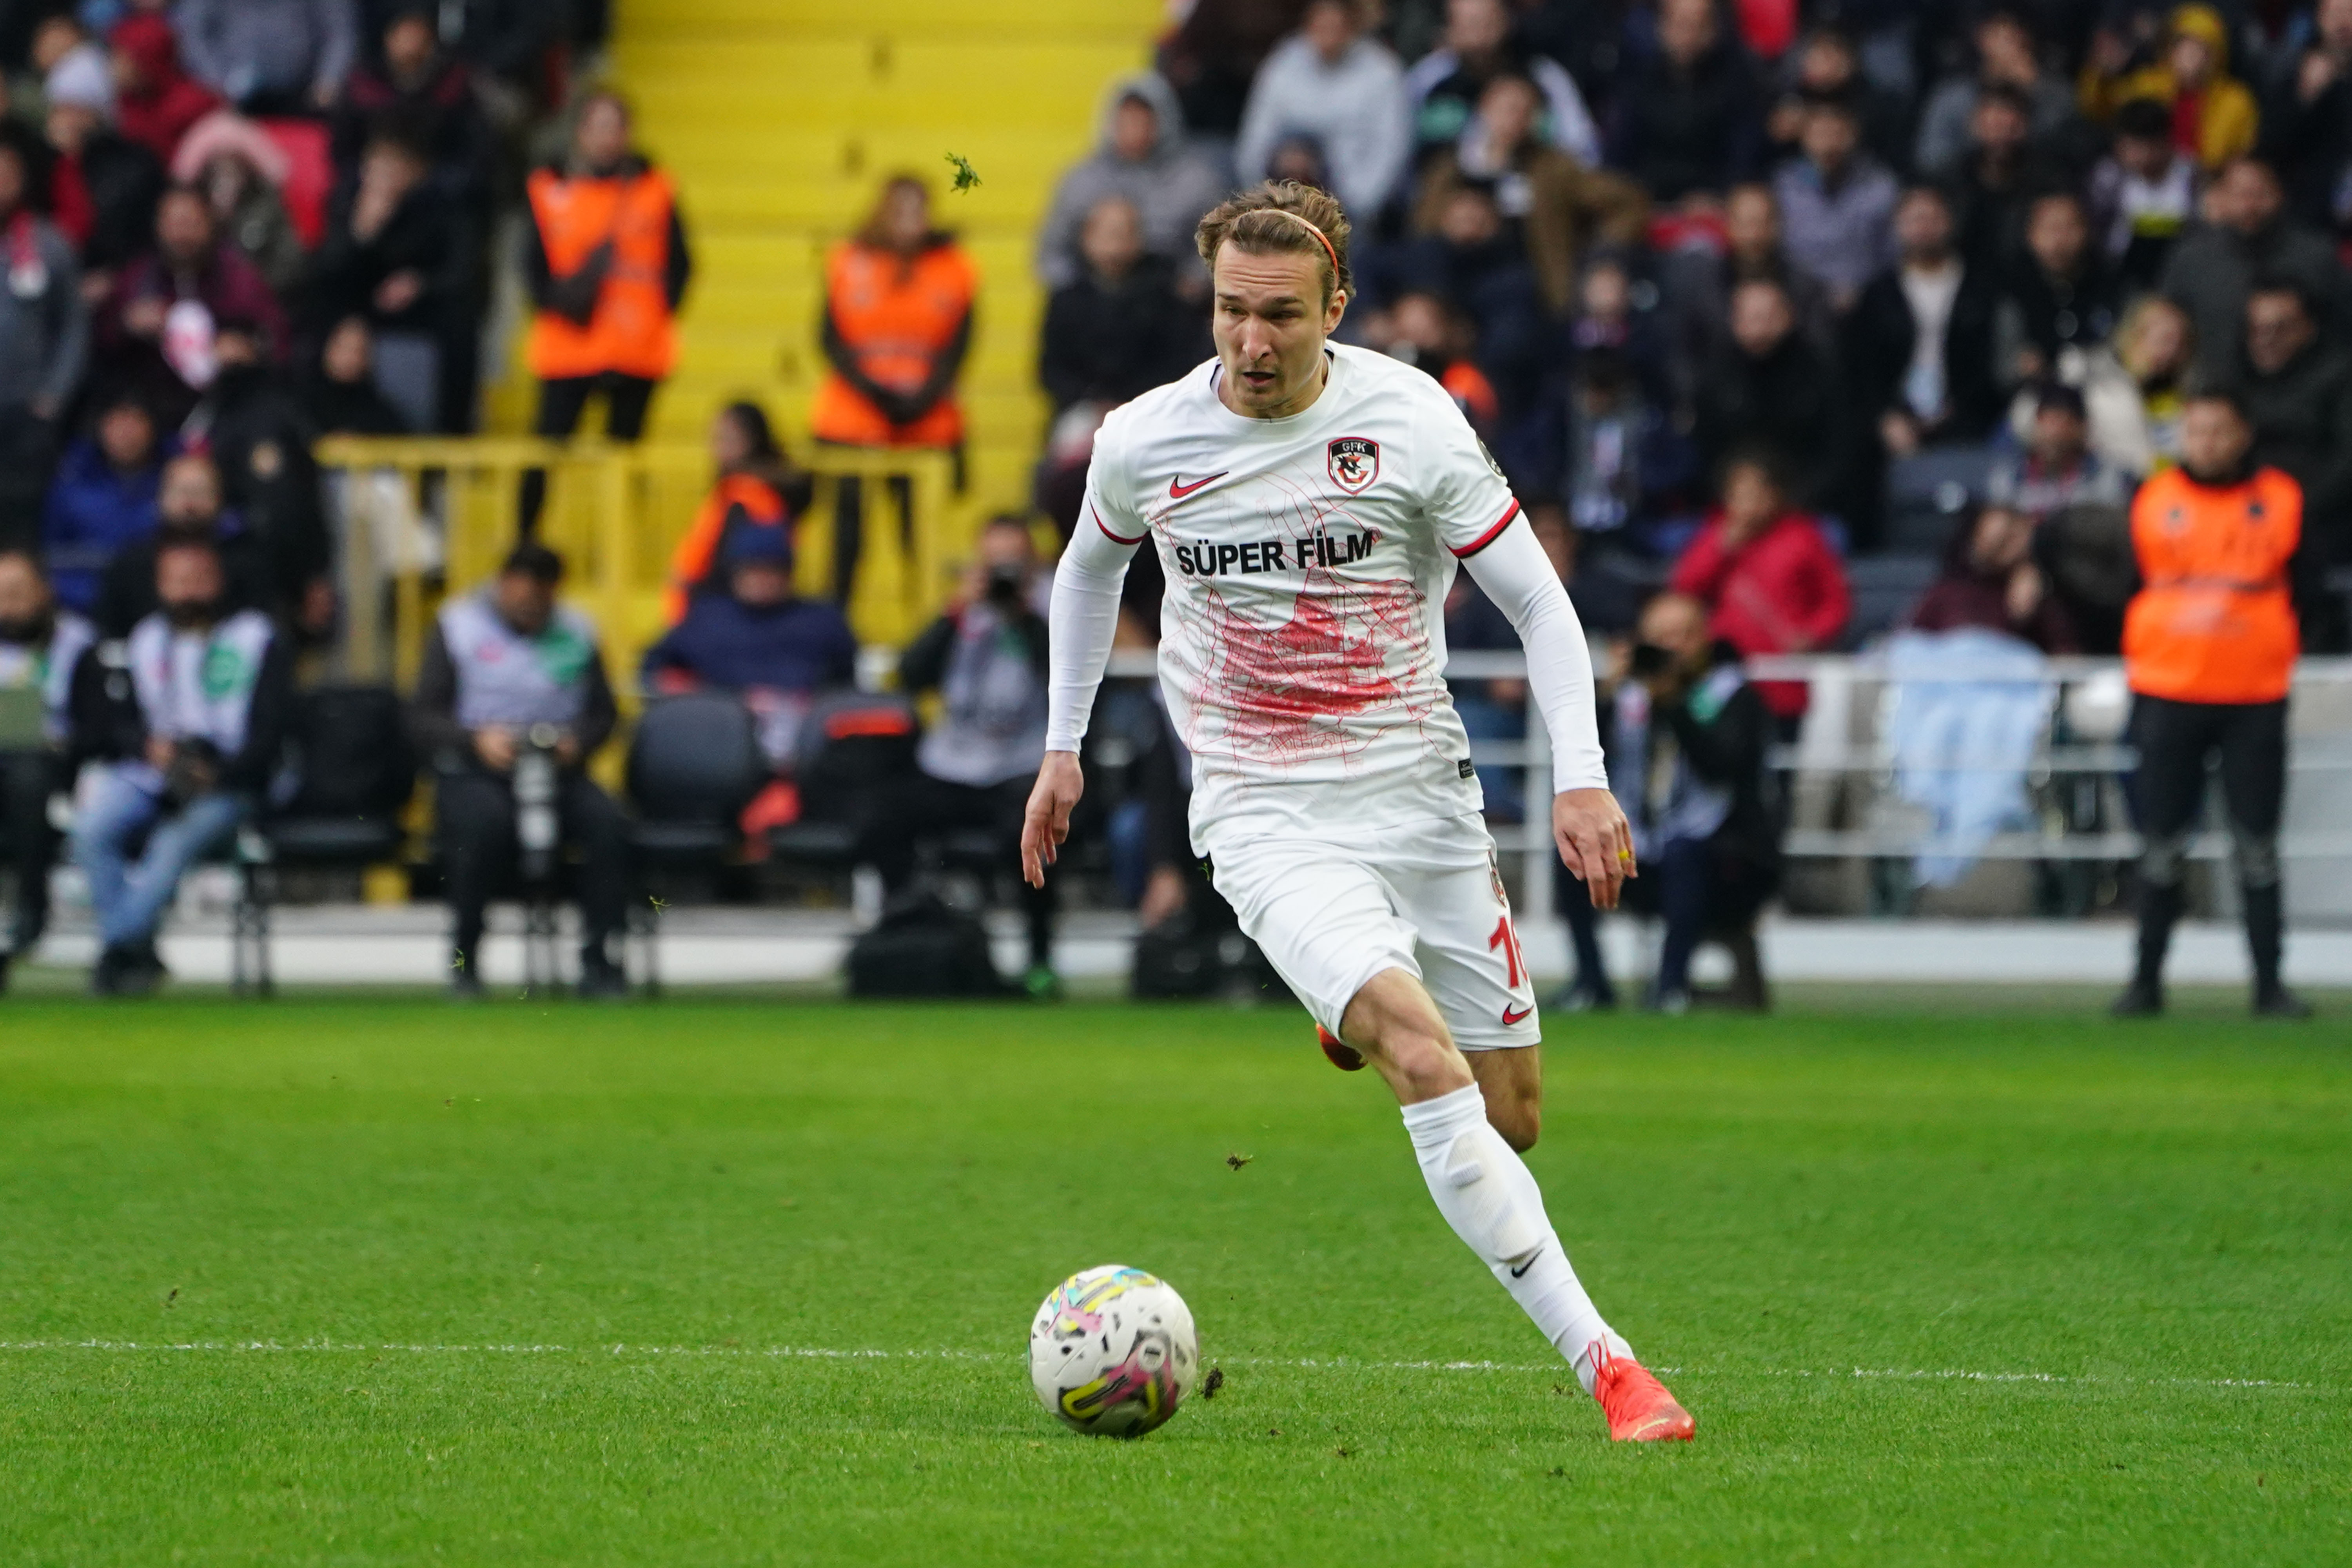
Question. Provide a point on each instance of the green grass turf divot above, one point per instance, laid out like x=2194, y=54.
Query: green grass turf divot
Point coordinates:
x=531, y=1284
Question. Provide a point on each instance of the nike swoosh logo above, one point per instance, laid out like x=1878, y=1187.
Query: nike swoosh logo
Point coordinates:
x=1521, y=1271
x=1178, y=489
x=1515, y=1014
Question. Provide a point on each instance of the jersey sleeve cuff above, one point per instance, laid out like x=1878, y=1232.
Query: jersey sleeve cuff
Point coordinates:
x=1114, y=538
x=1464, y=551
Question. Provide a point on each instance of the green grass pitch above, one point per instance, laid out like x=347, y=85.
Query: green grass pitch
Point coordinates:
x=555, y=1285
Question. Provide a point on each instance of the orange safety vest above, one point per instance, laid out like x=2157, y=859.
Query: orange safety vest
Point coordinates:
x=897, y=316
x=632, y=331
x=2215, y=622
x=690, y=564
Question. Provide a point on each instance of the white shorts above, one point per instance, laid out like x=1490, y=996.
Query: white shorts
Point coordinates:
x=1423, y=897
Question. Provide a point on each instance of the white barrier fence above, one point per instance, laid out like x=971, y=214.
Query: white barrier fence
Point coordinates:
x=1845, y=815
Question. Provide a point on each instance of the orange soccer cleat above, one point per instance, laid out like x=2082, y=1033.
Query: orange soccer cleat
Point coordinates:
x=1346, y=1057
x=1639, y=1408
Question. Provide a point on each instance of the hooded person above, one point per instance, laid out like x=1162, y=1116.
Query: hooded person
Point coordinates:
x=2214, y=115
x=1142, y=154
x=157, y=102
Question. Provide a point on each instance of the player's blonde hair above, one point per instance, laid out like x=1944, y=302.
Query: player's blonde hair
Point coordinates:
x=1282, y=217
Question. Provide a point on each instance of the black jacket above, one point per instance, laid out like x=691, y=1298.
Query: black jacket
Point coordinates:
x=260, y=435
x=1729, y=747
x=1881, y=335
x=1789, y=401
x=428, y=234
x=1109, y=343
x=1675, y=132
x=2302, y=415
x=108, y=726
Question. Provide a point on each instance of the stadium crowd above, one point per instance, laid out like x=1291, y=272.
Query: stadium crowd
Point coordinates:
x=1791, y=324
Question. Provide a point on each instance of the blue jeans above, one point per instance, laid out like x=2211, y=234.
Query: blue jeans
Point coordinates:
x=119, y=801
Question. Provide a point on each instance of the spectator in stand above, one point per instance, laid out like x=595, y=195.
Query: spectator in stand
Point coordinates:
x=1688, y=119
x=41, y=644
x=2307, y=120
x=2143, y=194
x=1431, y=335
x=157, y=329
x=189, y=509
x=103, y=499
x=1828, y=67
x=1467, y=254
x=1770, y=389
x=399, y=252
x=1447, y=85
x=1837, y=203
x=755, y=636
x=1999, y=173
x=2057, y=469
x=44, y=349
x=240, y=171
x=155, y=99
x=2296, y=390
x=2214, y=116
x=272, y=56
x=1141, y=156
x=2136, y=409
x=1120, y=328
x=756, y=489
x=1628, y=467
x=106, y=185
x=1919, y=343
x=177, y=765
x=606, y=260
x=427, y=92
x=986, y=657
x=260, y=437
x=2061, y=297
x=1607, y=319
x=342, y=398
x=1770, y=582
x=1553, y=203
x=2246, y=234
x=2006, y=58
x=1299, y=160
x=1330, y=81
x=898, y=324
x=505, y=670
x=1213, y=54
x=1990, y=581
x=1687, y=743
x=1699, y=280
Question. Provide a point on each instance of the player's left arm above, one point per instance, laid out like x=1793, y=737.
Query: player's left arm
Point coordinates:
x=1476, y=518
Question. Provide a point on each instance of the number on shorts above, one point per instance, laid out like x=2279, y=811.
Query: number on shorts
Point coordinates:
x=1508, y=941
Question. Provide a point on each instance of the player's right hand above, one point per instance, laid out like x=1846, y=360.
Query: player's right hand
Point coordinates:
x=1046, y=823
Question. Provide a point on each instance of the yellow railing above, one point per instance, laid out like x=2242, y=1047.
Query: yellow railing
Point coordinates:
x=422, y=518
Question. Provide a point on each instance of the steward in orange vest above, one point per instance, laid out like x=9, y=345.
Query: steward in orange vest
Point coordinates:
x=2210, y=646
x=756, y=489
x=897, y=322
x=607, y=262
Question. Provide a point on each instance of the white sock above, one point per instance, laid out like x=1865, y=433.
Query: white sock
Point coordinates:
x=1490, y=1198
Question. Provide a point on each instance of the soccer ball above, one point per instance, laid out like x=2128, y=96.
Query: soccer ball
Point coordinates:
x=1112, y=1352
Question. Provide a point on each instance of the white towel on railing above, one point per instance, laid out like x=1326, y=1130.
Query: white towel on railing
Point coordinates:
x=1970, y=707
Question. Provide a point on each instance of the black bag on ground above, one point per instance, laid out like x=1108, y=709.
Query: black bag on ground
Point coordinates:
x=920, y=947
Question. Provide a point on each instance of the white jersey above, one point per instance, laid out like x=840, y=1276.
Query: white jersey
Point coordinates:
x=1303, y=637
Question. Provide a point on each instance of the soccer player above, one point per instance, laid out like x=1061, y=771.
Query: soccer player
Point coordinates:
x=1310, y=503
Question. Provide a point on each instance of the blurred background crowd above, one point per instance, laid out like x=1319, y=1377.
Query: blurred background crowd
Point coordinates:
x=1792, y=324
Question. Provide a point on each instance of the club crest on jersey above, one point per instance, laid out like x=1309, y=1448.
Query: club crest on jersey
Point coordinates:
x=1355, y=462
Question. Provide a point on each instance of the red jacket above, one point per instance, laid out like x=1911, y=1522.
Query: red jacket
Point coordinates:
x=1783, y=591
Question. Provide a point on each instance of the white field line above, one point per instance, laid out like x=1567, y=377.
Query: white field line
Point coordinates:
x=1342, y=1363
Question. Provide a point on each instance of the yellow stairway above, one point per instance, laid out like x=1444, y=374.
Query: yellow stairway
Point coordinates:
x=781, y=118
